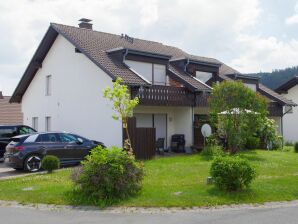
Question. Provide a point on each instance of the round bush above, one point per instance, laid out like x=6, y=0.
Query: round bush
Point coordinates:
x=232, y=173
x=109, y=175
x=50, y=163
x=296, y=147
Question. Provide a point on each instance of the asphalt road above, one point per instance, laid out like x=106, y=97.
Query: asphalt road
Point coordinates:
x=24, y=215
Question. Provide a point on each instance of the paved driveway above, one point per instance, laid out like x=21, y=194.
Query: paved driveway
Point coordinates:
x=6, y=172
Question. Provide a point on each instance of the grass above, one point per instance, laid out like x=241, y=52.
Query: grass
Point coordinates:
x=173, y=181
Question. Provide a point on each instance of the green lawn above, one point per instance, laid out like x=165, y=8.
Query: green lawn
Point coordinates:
x=277, y=181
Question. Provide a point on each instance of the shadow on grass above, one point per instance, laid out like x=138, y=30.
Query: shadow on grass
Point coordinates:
x=251, y=155
x=76, y=197
x=241, y=196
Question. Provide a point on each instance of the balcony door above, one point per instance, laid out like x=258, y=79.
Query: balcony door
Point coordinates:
x=157, y=121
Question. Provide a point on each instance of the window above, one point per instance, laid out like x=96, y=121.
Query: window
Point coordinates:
x=51, y=137
x=26, y=130
x=35, y=123
x=251, y=86
x=48, y=85
x=68, y=138
x=203, y=76
x=7, y=132
x=153, y=73
x=48, y=124
x=159, y=72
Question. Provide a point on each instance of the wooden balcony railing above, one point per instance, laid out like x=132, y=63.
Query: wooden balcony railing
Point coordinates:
x=164, y=96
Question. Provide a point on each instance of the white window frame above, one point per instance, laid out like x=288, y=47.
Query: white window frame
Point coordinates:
x=48, y=125
x=48, y=90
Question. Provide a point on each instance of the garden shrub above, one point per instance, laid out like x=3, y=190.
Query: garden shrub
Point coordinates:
x=212, y=150
x=50, y=163
x=296, y=147
x=232, y=173
x=252, y=143
x=109, y=175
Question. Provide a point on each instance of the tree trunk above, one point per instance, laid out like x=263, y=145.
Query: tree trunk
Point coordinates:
x=127, y=141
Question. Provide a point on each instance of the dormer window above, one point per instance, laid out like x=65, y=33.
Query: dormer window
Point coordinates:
x=151, y=72
x=203, y=76
x=251, y=86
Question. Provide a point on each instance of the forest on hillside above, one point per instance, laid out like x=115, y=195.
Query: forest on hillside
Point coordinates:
x=276, y=77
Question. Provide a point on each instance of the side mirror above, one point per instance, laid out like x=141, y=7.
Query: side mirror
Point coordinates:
x=79, y=141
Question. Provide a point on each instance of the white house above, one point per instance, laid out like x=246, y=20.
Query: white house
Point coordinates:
x=290, y=122
x=62, y=86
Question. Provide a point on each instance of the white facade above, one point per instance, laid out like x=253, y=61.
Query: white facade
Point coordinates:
x=75, y=102
x=290, y=120
x=179, y=120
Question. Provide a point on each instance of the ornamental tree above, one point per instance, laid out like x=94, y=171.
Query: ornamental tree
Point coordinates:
x=236, y=112
x=123, y=105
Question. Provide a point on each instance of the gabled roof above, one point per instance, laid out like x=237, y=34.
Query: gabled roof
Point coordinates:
x=287, y=85
x=99, y=48
x=264, y=91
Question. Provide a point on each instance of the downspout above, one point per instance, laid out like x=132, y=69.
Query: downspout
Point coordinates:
x=187, y=63
x=124, y=55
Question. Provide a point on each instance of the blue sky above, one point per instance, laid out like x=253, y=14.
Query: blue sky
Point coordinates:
x=249, y=35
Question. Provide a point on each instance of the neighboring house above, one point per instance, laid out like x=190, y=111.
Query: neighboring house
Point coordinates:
x=10, y=113
x=290, y=122
x=62, y=86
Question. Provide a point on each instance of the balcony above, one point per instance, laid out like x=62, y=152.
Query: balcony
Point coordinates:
x=164, y=96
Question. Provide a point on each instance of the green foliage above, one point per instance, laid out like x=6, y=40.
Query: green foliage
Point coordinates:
x=120, y=96
x=50, y=163
x=108, y=175
x=296, y=147
x=252, y=143
x=268, y=133
x=212, y=150
x=232, y=173
x=123, y=105
x=244, y=110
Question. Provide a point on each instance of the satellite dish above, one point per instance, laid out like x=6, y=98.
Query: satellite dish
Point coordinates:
x=206, y=130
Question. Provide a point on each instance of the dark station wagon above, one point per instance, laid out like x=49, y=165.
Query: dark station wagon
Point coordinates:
x=26, y=151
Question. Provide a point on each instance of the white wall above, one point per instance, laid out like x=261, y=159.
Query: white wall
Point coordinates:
x=76, y=103
x=179, y=120
x=290, y=121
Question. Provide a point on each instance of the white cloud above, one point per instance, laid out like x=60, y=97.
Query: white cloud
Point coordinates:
x=292, y=20
x=264, y=54
x=213, y=28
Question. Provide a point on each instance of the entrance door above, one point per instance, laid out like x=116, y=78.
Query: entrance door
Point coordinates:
x=160, y=124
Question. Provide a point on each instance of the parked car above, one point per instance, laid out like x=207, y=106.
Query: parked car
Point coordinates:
x=9, y=131
x=26, y=151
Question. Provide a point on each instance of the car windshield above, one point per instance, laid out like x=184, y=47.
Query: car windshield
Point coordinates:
x=7, y=132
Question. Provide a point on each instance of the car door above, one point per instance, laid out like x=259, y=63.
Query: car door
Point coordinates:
x=76, y=148
x=51, y=145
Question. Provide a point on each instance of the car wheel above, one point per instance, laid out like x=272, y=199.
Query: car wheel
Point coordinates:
x=32, y=163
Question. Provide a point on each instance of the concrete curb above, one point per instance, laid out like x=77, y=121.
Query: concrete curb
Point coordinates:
x=151, y=210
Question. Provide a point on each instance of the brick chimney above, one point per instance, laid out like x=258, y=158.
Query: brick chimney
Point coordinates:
x=85, y=23
x=1, y=95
